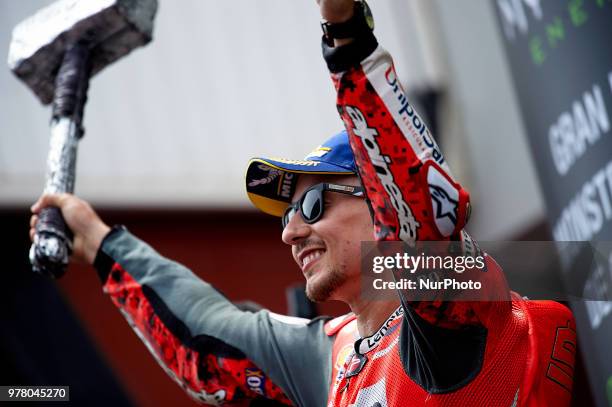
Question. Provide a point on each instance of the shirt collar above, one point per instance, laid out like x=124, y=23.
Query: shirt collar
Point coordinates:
x=366, y=344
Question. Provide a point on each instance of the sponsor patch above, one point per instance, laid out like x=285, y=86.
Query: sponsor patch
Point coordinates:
x=355, y=365
x=255, y=380
x=343, y=356
x=270, y=182
x=563, y=358
x=307, y=163
x=408, y=225
x=385, y=351
x=285, y=185
x=366, y=344
x=272, y=174
x=444, y=201
x=388, y=87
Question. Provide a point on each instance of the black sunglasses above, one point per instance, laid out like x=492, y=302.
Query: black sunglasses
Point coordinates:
x=311, y=205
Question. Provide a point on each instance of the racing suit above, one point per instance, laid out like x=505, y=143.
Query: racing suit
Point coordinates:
x=494, y=353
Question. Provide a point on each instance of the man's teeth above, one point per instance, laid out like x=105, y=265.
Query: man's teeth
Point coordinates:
x=312, y=256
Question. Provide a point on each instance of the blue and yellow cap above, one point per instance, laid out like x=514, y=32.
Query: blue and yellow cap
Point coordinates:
x=270, y=182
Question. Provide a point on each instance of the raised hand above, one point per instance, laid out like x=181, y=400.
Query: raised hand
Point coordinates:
x=83, y=221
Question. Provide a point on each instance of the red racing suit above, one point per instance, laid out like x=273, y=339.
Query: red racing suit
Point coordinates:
x=451, y=353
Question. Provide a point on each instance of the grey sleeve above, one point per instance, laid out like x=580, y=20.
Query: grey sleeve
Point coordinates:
x=294, y=354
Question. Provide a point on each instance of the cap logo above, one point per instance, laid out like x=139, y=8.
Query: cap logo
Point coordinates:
x=273, y=173
x=296, y=162
x=319, y=152
x=285, y=186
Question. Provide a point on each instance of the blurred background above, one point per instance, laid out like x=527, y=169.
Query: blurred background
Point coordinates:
x=170, y=129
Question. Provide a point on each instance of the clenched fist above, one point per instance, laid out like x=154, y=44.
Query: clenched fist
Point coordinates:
x=83, y=221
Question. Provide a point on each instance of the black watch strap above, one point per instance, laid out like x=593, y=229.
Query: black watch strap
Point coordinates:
x=359, y=24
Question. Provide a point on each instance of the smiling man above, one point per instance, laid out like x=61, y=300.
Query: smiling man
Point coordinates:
x=384, y=179
x=321, y=250
x=324, y=221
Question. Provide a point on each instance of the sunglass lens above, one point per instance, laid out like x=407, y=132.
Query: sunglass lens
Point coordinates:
x=312, y=205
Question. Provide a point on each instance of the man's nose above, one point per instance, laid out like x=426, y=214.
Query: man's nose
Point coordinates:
x=295, y=230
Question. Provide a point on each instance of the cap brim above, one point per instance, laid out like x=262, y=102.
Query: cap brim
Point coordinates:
x=268, y=196
x=301, y=166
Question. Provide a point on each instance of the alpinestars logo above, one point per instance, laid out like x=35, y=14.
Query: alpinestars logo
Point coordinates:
x=444, y=201
x=408, y=224
x=445, y=205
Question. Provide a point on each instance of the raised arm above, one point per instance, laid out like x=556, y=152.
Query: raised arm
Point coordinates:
x=217, y=353
x=409, y=185
x=412, y=196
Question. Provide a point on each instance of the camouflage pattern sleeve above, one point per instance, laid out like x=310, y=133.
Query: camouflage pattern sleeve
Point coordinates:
x=413, y=197
x=217, y=353
x=410, y=188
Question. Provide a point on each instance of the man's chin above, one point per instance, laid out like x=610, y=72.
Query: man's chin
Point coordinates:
x=316, y=293
x=321, y=286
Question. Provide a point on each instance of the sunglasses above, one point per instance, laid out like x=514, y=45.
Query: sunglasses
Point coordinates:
x=311, y=203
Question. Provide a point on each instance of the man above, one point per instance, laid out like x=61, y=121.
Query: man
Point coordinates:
x=384, y=179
